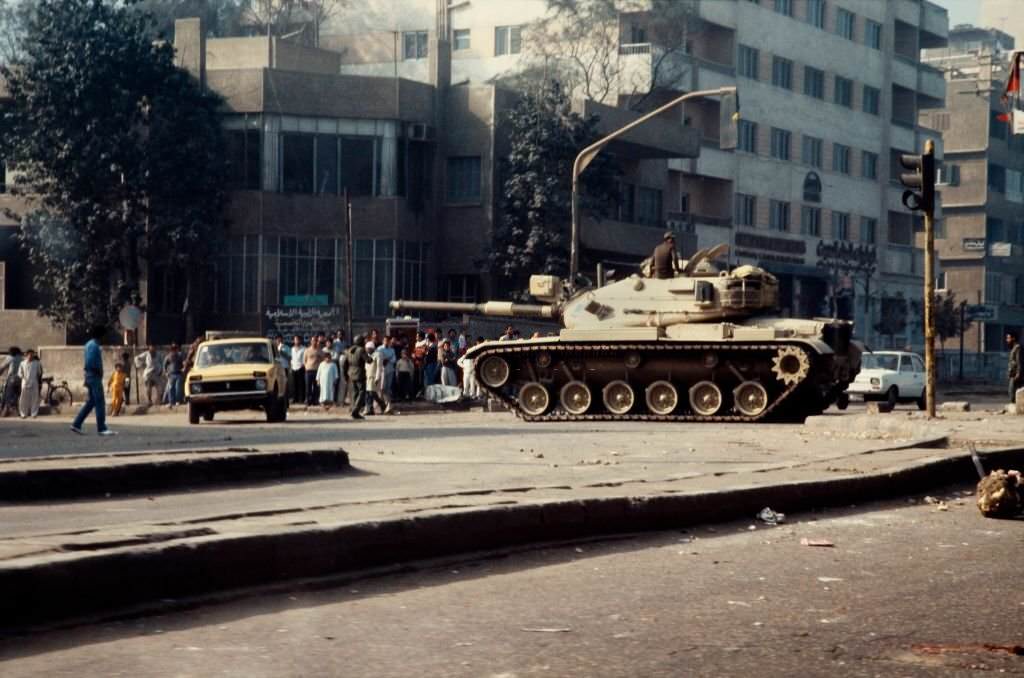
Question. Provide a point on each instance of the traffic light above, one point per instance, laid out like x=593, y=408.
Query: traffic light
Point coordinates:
x=920, y=183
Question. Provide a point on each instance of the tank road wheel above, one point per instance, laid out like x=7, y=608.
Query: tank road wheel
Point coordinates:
x=662, y=397
x=494, y=371
x=543, y=359
x=705, y=398
x=751, y=398
x=618, y=397
x=575, y=397
x=791, y=365
x=534, y=398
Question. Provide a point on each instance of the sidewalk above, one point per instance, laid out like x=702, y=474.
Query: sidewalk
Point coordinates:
x=426, y=485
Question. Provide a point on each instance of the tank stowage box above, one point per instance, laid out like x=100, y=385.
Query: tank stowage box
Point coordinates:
x=705, y=345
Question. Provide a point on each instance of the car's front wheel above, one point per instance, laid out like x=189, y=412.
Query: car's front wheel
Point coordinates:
x=193, y=412
x=892, y=396
x=277, y=409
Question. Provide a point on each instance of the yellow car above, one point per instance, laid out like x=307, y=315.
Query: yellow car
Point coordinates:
x=236, y=374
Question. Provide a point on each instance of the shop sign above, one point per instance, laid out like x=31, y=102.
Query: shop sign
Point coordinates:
x=302, y=320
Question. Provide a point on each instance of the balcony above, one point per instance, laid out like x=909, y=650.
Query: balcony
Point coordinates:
x=645, y=66
x=718, y=12
x=904, y=72
x=712, y=162
x=932, y=85
x=934, y=25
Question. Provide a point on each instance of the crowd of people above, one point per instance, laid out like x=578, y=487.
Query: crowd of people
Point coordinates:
x=21, y=376
x=373, y=371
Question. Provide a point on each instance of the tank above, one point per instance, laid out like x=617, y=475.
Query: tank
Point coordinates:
x=705, y=345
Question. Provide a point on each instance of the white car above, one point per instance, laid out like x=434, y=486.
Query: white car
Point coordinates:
x=896, y=376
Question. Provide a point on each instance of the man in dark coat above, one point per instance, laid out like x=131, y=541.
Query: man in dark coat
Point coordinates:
x=664, y=257
x=357, y=358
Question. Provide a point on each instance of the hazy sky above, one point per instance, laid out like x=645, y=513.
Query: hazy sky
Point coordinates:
x=960, y=11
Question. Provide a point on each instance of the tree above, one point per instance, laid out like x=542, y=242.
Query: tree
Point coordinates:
x=947, y=316
x=279, y=17
x=579, y=42
x=536, y=198
x=14, y=16
x=118, y=153
x=222, y=18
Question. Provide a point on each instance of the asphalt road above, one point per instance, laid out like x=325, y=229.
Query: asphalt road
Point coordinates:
x=906, y=590
x=164, y=430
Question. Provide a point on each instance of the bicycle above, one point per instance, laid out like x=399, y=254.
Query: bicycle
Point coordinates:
x=57, y=396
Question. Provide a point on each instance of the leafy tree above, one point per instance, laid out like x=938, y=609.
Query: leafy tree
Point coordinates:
x=579, y=43
x=14, y=16
x=279, y=17
x=947, y=316
x=533, y=235
x=118, y=153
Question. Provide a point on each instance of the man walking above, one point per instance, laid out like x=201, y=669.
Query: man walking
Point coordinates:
x=357, y=359
x=298, y=370
x=1013, y=368
x=174, y=366
x=152, y=370
x=94, y=385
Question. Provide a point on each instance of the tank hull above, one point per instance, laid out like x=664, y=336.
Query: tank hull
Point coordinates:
x=558, y=379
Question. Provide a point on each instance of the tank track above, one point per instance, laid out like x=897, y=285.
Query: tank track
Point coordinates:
x=579, y=348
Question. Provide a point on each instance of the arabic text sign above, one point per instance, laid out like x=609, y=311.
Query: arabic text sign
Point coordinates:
x=303, y=320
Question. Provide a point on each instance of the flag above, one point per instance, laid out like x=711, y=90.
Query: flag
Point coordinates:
x=1013, y=83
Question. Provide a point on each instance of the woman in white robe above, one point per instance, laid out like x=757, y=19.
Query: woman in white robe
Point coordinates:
x=326, y=376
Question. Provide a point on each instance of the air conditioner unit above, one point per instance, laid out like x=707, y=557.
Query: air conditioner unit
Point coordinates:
x=948, y=175
x=419, y=131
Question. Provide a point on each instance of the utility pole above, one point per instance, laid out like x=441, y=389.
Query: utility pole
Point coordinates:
x=349, y=276
x=920, y=197
x=730, y=115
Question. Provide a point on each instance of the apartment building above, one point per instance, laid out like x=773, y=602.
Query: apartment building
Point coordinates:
x=983, y=176
x=831, y=92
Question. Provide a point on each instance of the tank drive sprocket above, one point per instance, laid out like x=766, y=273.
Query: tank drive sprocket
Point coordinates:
x=790, y=364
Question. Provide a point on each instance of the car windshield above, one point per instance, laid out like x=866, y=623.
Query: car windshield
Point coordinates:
x=880, y=362
x=232, y=354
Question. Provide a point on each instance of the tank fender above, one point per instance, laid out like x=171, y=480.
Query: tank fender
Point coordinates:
x=816, y=345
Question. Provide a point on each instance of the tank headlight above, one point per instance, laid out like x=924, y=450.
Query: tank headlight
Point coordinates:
x=875, y=381
x=195, y=388
x=261, y=384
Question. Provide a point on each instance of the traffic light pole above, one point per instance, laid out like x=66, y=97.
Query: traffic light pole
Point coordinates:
x=929, y=296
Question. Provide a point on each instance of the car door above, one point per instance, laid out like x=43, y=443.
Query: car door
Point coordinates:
x=919, y=375
x=905, y=377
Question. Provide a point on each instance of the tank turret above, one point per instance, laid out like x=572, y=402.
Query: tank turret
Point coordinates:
x=706, y=344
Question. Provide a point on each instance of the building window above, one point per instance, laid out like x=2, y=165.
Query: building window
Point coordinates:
x=508, y=40
x=747, y=63
x=840, y=158
x=995, y=230
x=845, y=21
x=816, y=13
x=297, y=163
x=236, y=285
x=997, y=177
x=814, y=82
x=868, y=230
x=840, y=226
x=627, y=202
x=869, y=165
x=746, y=209
x=460, y=39
x=810, y=220
x=784, y=7
x=648, y=206
x=780, y=143
x=464, y=179
x=782, y=73
x=844, y=92
x=414, y=45
x=873, y=34
x=778, y=216
x=811, y=153
x=462, y=288
x=871, y=99
x=747, y=136
x=245, y=158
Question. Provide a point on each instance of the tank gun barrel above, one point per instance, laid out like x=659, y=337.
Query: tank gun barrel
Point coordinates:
x=492, y=308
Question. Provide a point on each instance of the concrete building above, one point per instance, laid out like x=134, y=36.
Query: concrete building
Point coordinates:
x=831, y=92
x=983, y=195
x=1008, y=15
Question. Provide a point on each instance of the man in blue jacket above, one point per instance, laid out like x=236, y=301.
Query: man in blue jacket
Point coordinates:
x=94, y=385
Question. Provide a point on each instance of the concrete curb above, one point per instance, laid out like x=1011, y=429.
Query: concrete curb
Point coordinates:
x=157, y=473
x=76, y=585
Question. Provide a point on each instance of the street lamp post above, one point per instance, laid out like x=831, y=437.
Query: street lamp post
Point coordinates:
x=588, y=154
